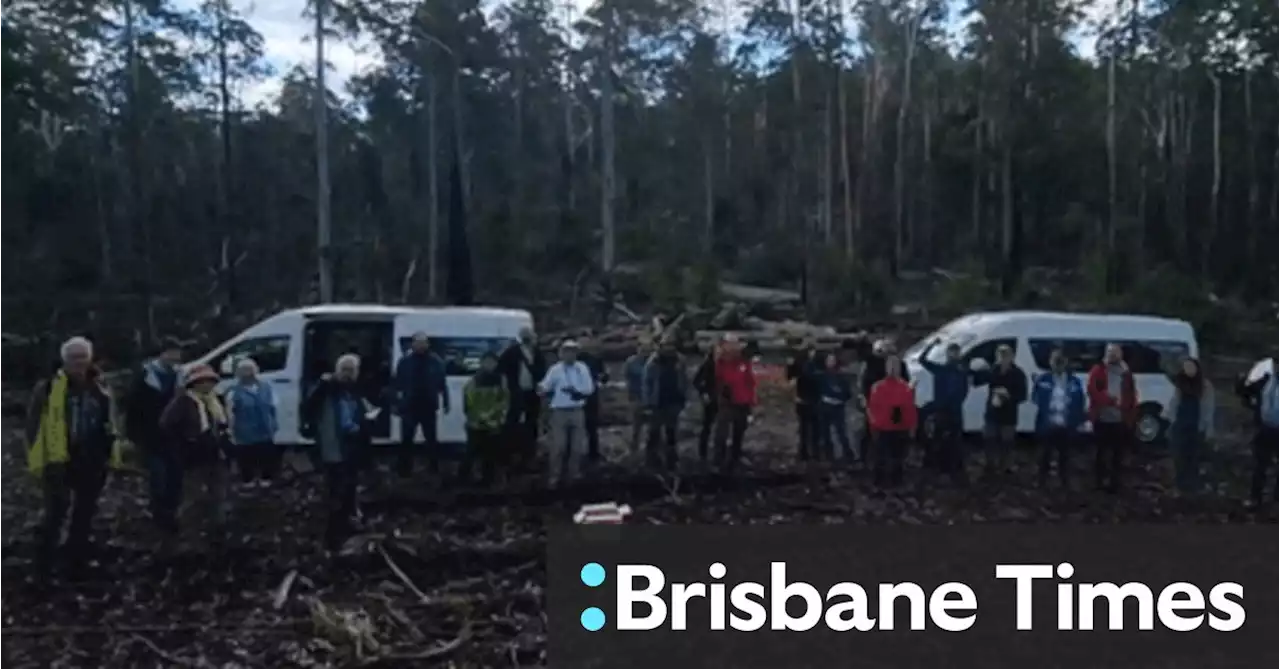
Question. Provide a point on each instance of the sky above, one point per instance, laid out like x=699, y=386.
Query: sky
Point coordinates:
x=286, y=32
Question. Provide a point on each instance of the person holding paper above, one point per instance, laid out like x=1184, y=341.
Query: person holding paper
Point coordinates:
x=340, y=420
x=1007, y=386
x=566, y=388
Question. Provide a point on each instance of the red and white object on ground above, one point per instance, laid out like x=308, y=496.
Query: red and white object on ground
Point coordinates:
x=608, y=513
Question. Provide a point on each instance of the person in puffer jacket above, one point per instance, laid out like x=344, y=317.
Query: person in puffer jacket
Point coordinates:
x=1007, y=389
x=195, y=424
x=892, y=414
x=835, y=389
x=666, y=389
x=735, y=384
x=1060, y=402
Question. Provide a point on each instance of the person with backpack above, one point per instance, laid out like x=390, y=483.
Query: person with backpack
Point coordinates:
x=485, y=401
x=1060, y=402
x=1007, y=390
x=70, y=439
x=1113, y=410
x=1190, y=418
x=892, y=417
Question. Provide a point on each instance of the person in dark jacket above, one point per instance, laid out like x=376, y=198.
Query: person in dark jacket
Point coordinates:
x=1006, y=390
x=195, y=428
x=834, y=388
x=1260, y=395
x=1190, y=418
x=421, y=392
x=633, y=369
x=154, y=385
x=69, y=437
x=666, y=389
x=891, y=418
x=591, y=410
x=951, y=378
x=523, y=366
x=704, y=383
x=338, y=416
x=802, y=376
x=1060, y=401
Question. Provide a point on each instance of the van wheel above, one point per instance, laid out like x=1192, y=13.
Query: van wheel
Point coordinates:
x=1150, y=427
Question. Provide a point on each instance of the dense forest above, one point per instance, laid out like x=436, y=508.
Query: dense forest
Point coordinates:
x=844, y=142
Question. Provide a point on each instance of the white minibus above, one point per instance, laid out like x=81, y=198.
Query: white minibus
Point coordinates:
x=1151, y=345
x=294, y=348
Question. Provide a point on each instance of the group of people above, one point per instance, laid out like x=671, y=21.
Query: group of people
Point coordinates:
x=188, y=434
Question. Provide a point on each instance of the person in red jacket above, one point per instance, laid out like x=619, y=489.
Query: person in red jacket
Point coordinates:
x=1113, y=409
x=891, y=411
x=735, y=386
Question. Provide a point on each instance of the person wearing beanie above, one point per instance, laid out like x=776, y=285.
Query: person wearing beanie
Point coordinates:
x=195, y=426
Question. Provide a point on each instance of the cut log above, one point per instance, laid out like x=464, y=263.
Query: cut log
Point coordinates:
x=746, y=293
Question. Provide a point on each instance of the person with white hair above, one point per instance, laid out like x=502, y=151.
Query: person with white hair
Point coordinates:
x=421, y=392
x=338, y=418
x=69, y=437
x=251, y=412
x=154, y=384
x=566, y=387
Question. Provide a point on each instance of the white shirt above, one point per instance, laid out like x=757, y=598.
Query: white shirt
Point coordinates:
x=561, y=378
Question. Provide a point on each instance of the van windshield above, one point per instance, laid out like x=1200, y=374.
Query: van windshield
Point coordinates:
x=461, y=355
x=944, y=338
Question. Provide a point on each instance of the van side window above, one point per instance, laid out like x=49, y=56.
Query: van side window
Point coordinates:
x=271, y=353
x=987, y=350
x=1142, y=357
x=461, y=355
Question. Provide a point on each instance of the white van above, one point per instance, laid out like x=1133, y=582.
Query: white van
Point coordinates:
x=294, y=348
x=1151, y=345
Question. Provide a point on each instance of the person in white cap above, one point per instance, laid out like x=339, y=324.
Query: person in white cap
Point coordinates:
x=566, y=387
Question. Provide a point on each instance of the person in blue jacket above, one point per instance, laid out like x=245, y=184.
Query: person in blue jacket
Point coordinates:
x=420, y=392
x=1060, y=401
x=950, y=389
x=835, y=389
x=252, y=424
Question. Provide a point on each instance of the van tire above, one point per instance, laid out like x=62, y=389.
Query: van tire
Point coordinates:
x=1151, y=426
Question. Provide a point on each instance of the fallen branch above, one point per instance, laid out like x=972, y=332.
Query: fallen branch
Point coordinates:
x=164, y=655
x=61, y=630
x=436, y=652
x=282, y=592
x=404, y=578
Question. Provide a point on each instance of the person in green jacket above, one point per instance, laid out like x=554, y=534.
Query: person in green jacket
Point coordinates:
x=485, y=399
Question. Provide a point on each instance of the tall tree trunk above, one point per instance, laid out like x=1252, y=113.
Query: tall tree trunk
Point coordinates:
x=828, y=165
x=846, y=180
x=900, y=149
x=1210, y=234
x=321, y=103
x=431, y=153
x=708, y=197
x=1252, y=224
x=1112, y=175
x=608, y=176
x=227, y=270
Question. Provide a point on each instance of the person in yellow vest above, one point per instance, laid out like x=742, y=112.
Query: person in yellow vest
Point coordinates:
x=70, y=440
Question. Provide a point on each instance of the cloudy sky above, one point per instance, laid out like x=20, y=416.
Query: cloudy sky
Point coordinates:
x=285, y=30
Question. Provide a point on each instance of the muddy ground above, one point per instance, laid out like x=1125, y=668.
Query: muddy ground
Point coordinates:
x=455, y=577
